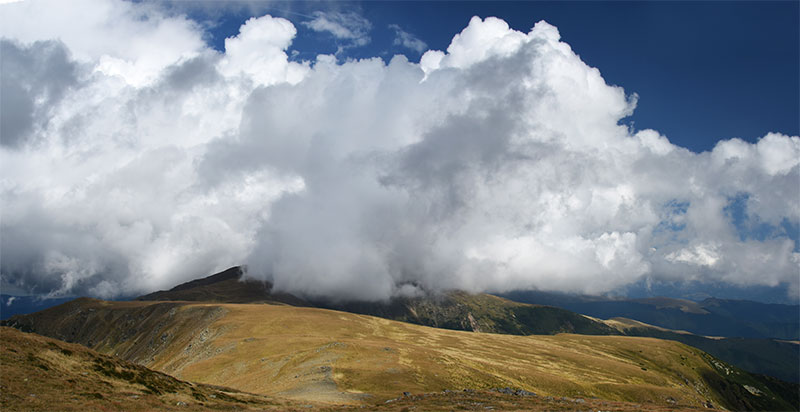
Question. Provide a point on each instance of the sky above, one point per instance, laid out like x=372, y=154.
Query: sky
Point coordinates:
x=368, y=150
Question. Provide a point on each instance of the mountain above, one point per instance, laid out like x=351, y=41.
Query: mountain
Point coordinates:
x=225, y=286
x=692, y=323
x=710, y=317
x=41, y=373
x=312, y=354
x=771, y=357
x=488, y=313
x=449, y=310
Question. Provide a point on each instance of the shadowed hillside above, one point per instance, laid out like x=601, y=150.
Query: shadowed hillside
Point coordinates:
x=225, y=286
x=337, y=357
x=40, y=373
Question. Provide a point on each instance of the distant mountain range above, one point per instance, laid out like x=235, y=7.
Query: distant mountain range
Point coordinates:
x=710, y=317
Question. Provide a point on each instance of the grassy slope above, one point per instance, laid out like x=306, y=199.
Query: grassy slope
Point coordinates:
x=487, y=313
x=40, y=373
x=452, y=310
x=480, y=313
x=711, y=317
x=329, y=356
x=43, y=374
x=765, y=356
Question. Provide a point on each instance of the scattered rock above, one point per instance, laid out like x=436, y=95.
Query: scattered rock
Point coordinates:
x=180, y=403
x=753, y=390
x=406, y=393
x=515, y=392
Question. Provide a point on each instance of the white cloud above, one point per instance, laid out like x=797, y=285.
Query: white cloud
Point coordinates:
x=86, y=28
x=259, y=52
x=506, y=168
x=349, y=27
x=407, y=40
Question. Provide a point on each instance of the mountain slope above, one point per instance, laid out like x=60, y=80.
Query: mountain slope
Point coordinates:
x=711, y=317
x=764, y=356
x=449, y=310
x=331, y=356
x=40, y=373
x=488, y=313
x=772, y=357
x=225, y=286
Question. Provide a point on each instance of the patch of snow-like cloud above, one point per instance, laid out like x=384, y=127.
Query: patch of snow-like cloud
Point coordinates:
x=499, y=164
x=407, y=40
x=350, y=29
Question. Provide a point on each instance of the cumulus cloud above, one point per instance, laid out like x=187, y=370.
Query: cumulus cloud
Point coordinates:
x=500, y=163
x=258, y=52
x=348, y=27
x=407, y=40
x=33, y=80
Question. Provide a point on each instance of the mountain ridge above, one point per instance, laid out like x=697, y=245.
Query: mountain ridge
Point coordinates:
x=339, y=357
x=488, y=313
x=450, y=310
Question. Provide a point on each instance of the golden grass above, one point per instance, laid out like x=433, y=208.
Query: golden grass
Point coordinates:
x=43, y=374
x=329, y=356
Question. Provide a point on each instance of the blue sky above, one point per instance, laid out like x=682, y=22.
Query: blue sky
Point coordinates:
x=703, y=70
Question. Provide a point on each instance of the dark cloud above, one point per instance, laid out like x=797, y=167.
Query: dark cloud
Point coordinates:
x=33, y=79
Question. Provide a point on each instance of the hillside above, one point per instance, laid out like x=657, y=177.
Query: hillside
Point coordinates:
x=336, y=357
x=43, y=374
x=449, y=310
x=710, y=317
x=764, y=356
x=488, y=313
x=40, y=373
x=226, y=287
